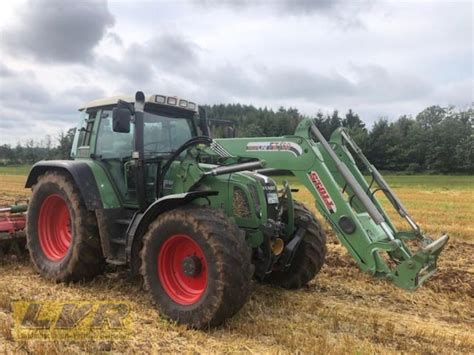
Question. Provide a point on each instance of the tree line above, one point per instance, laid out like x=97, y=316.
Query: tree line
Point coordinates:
x=32, y=150
x=438, y=139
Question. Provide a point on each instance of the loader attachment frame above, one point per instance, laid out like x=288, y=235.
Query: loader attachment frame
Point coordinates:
x=341, y=135
x=343, y=197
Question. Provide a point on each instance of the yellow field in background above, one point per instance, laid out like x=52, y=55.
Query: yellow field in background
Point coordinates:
x=437, y=211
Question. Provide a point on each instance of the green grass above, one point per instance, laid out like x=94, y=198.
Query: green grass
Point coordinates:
x=432, y=182
x=424, y=182
x=15, y=170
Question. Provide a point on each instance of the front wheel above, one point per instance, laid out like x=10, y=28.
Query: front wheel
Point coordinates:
x=197, y=266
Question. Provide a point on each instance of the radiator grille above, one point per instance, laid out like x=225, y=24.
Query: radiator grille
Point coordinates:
x=240, y=203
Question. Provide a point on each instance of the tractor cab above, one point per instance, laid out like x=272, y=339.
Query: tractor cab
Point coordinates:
x=168, y=122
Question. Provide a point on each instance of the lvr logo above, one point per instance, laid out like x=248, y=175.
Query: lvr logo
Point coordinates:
x=70, y=320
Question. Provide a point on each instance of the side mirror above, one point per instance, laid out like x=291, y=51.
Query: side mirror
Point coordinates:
x=121, y=118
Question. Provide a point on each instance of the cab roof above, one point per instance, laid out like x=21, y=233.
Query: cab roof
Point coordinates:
x=155, y=99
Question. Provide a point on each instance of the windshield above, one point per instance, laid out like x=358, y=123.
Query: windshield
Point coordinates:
x=165, y=134
x=162, y=135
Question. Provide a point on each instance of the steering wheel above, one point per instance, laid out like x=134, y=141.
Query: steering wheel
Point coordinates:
x=186, y=145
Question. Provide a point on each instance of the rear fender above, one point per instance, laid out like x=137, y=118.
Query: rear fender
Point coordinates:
x=80, y=172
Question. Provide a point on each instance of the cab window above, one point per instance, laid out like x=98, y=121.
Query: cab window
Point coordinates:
x=80, y=145
x=112, y=144
x=163, y=135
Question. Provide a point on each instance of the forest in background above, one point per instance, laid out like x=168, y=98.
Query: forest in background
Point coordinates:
x=436, y=140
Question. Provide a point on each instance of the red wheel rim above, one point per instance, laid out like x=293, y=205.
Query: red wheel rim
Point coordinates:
x=183, y=286
x=54, y=227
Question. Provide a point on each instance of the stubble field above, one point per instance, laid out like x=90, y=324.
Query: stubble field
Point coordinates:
x=341, y=311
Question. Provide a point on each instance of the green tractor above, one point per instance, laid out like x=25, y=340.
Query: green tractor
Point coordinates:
x=199, y=218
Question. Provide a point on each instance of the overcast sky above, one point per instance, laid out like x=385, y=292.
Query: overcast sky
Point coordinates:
x=380, y=58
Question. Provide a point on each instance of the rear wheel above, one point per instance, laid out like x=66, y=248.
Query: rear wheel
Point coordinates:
x=54, y=227
x=197, y=266
x=310, y=254
x=62, y=235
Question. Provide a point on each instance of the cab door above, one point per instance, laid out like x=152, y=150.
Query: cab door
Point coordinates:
x=114, y=151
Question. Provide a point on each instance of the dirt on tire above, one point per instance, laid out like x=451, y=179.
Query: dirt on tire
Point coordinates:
x=228, y=265
x=84, y=259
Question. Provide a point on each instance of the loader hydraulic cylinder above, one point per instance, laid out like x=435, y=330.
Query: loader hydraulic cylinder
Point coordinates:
x=235, y=168
x=352, y=182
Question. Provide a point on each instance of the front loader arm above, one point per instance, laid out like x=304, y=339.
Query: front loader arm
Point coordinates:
x=303, y=159
x=342, y=197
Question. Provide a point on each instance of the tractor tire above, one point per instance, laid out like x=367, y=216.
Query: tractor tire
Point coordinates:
x=310, y=254
x=196, y=264
x=62, y=235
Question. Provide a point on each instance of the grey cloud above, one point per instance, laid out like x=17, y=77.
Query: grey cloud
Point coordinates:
x=344, y=12
x=134, y=66
x=279, y=83
x=5, y=72
x=141, y=62
x=11, y=118
x=330, y=7
x=22, y=92
x=301, y=83
x=173, y=50
x=173, y=57
x=378, y=84
x=17, y=126
x=7, y=123
x=291, y=6
x=22, y=89
x=114, y=38
x=70, y=100
x=67, y=102
x=230, y=79
x=459, y=93
x=58, y=31
x=82, y=93
x=370, y=83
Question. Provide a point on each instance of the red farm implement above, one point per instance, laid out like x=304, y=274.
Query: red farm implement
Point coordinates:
x=12, y=228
